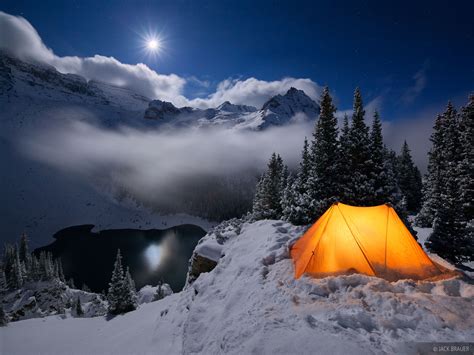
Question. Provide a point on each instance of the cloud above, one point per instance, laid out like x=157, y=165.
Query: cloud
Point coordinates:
x=20, y=39
x=254, y=92
x=172, y=171
x=416, y=130
x=420, y=80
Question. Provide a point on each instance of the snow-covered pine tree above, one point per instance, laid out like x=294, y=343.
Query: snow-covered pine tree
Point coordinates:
x=115, y=294
x=269, y=192
x=258, y=206
x=24, y=249
x=391, y=189
x=297, y=202
x=344, y=174
x=78, y=307
x=434, y=182
x=35, y=270
x=16, y=278
x=60, y=270
x=466, y=176
x=288, y=197
x=160, y=292
x=3, y=317
x=409, y=179
x=130, y=293
x=3, y=280
x=323, y=184
x=8, y=261
x=448, y=239
x=46, y=266
x=378, y=174
x=360, y=188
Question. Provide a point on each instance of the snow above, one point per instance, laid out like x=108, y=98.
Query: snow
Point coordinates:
x=250, y=303
x=147, y=293
x=279, y=110
x=210, y=249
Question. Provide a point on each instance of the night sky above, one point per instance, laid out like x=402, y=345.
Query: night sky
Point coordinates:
x=411, y=56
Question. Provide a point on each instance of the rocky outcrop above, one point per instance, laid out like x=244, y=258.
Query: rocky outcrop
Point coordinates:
x=158, y=109
x=198, y=265
x=208, y=252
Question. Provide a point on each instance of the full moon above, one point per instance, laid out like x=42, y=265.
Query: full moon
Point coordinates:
x=153, y=45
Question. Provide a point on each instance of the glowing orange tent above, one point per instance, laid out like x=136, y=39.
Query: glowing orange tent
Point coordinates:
x=367, y=240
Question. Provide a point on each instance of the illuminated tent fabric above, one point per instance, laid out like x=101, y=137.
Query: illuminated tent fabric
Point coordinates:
x=366, y=240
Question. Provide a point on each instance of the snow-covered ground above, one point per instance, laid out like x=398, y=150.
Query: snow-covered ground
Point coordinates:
x=251, y=304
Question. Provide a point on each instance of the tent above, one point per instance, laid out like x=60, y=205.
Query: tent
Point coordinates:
x=367, y=240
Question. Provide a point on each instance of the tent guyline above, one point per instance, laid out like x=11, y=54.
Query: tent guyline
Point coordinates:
x=368, y=240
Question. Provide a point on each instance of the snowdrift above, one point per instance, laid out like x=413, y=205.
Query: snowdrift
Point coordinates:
x=251, y=303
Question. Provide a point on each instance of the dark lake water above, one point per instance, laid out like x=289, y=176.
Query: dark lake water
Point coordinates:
x=152, y=255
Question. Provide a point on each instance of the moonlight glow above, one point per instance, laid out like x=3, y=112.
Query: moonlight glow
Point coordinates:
x=153, y=256
x=153, y=45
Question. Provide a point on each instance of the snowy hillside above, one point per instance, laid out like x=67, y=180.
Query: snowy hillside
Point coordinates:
x=250, y=303
x=277, y=111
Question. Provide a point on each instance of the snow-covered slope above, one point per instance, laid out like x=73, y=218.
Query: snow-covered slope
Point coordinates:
x=251, y=304
x=277, y=111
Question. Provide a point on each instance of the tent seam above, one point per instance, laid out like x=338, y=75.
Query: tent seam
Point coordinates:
x=357, y=241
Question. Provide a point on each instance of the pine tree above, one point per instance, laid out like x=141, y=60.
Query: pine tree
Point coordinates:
x=466, y=176
x=3, y=317
x=16, y=279
x=3, y=281
x=269, y=192
x=24, y=250
x=35, y=270
x=448, y=239
x=129, y=292
x=8, y=262
x=444, y=154
x=409, y=179
x=378, y=174
x=258, y=207
x=115, y=293
x=323, y=187
x=344, y=173
x=60, y=270
x=360, y=188
x=78, y=307
x=296, y=199
x=391, y=189
x=160, y=292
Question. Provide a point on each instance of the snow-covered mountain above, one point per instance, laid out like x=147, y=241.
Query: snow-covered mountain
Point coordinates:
x=277, y=111
x=39, y=200
x=250, y=303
